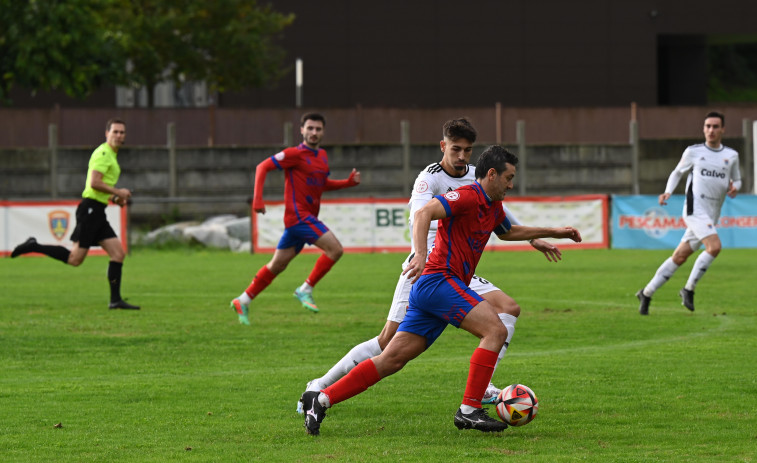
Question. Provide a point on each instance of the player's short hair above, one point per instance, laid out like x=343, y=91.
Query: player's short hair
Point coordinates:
x=716, y=114
x=312, y=117
x=494, y=157
x=455, y=129
x=113, y=121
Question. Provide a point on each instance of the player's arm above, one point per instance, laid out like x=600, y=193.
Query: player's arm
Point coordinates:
x=433, y=210
x=684, y=165
x=261, y=171
x=522, y=232
x=735, y=184
x=118, y=195
x=550, y=251
x=352, y=180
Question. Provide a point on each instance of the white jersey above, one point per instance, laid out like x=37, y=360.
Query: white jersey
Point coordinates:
x=432, y=181
x=710, y=173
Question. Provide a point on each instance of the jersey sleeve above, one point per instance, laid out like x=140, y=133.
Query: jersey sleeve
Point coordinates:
x=423, y=192
x=736, y=173
x=101, y=162
x=287, y=158
x=684, y=165
x=510, y=217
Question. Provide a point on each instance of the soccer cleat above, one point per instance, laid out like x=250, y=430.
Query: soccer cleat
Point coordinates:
x=23, y=248
x=480, y=420
x=122, y=305
x=491, y=395
x=644, y=301
x=314, y=412
x=241, y=310
x=299, y=402
x=687, y=298
x=306, y=299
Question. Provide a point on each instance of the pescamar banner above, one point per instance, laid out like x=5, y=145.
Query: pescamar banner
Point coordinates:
x=639, y=222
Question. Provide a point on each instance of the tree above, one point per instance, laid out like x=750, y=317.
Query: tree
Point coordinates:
x=79, y=45
x=227, y=43
x=57, y=45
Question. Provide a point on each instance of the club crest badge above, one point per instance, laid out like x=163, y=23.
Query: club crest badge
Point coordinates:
x=58, y=222
x=452, y=196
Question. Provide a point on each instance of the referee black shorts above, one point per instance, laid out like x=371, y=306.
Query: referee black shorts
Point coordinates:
x=91, y=224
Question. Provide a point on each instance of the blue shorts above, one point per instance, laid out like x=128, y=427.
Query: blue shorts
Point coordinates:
x=306, y=232
x=437, y=300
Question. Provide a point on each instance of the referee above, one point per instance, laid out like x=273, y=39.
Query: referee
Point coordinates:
x=92, y=227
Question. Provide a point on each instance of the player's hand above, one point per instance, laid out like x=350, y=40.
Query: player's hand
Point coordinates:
x=119, y=201
x=415, y=267
x=259, y=209
x=663, y=199
x=569, y=233
x=123, y=193
x=732, y=192
x=550, y=251
x=355, y=176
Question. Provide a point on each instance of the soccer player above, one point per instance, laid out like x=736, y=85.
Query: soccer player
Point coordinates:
x=453, y=171
x=306, y=171
x=441, y=294
x=92, y=227
x=713, y=174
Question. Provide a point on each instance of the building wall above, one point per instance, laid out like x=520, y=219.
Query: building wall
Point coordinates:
x=445, y=53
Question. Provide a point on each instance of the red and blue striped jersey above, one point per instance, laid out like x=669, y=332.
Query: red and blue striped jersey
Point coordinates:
x=463, y=234
x=305, y=174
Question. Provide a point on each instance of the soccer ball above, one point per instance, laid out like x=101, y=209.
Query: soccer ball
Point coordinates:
x=517, y=405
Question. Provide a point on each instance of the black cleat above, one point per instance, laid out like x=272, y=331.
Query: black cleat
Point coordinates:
x=687, y=298
x=480, y=420
x=643, y=302
x=25, y=247
x=314, y=412
x=122, y=305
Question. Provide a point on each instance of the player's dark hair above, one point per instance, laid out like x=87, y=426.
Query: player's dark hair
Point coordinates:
x=455, y=129
x=716, y=114
x=113, y=121
x=312, y=117
x=494, y=157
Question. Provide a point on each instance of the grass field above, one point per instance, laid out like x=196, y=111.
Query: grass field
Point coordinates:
x=181, y=380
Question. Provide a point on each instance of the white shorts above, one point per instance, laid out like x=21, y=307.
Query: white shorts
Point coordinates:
x=699, y=227
x=404, y=285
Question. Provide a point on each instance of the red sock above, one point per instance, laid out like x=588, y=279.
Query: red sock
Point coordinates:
x=480, y=374
x=360, y=378
x=322, y=267
x=262, y=279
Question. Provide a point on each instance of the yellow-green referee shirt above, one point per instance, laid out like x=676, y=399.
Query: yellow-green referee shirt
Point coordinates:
x=103, y=160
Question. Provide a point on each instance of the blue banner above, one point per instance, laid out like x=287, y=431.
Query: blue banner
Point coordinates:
x=639, y=222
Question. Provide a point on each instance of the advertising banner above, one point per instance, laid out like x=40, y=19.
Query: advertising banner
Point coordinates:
x=50, y=222
x=381, y=225
x=639, y=222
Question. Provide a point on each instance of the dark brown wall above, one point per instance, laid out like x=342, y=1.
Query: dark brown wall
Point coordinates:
x=447, y=53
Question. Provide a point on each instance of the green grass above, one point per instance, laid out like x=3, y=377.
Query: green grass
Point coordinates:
x=181, y=380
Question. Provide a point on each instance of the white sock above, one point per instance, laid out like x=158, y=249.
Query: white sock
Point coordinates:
x=467, y=409
x=323, y=399
x=245, y=298
x=663, y=274
x=509, y=322
x=357, y=354
x=306, y=288
x=700, y=266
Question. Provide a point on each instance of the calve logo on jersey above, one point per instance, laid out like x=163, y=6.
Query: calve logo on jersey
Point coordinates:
x=452, y=196
x=422, y=187
x=712, y=173
x=279, y=156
